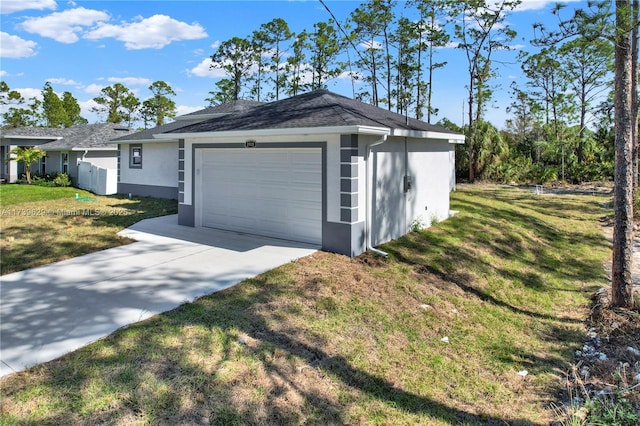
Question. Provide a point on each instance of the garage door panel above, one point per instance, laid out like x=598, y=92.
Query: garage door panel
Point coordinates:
x=272, y=192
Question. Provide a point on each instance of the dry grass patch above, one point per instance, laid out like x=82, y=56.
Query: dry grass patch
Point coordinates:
x=47, y=229
x=332, y=340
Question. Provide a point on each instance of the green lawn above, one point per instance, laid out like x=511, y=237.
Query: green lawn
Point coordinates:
x=16, y=194
x=41, y=225
x=332, y=340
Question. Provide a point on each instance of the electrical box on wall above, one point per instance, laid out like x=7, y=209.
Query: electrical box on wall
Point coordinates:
x=408, y=183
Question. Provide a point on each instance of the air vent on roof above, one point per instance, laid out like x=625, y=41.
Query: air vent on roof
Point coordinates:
x=121, y=129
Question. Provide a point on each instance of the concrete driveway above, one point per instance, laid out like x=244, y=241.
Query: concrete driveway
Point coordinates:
x=48, y=311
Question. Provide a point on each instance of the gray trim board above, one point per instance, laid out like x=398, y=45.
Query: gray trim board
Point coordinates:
x=186, y=214
x=347, y=154
x=344, y=238
x=348, y=185
x=349, y=200
x=348, y=141
x=349, y=170
x=323, y=148
x=349, y=214
x=148, y=190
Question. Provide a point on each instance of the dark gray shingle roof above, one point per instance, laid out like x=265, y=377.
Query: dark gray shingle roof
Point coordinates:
x=240, y=105
x=192, y=118
x=84, y=136
x=147, y=134
x=320, y=108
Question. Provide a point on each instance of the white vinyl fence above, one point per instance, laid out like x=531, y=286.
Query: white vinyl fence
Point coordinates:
x=96, y=179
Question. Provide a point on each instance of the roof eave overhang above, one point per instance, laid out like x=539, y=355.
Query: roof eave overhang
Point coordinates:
x=368, y=130
x=149, y=140
x=102, y=148
x=39, y=138
x=420, y=134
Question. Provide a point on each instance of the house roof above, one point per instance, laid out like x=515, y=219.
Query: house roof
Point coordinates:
x=147, y=134
x=85, y=136
x=316, y=109
x=238, y=106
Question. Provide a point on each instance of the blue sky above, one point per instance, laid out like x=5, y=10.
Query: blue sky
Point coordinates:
x=82, y=46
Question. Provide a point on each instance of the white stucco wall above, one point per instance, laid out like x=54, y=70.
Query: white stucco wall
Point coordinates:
x=159, y=165
x=428, y=164
x=428, y=200
x=104, y=159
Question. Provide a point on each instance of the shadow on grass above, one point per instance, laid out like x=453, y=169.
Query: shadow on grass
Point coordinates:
x=160, y=382
x=139, y=208
x=128, y=367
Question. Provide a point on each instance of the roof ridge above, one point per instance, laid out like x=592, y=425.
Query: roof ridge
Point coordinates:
x=336, y=107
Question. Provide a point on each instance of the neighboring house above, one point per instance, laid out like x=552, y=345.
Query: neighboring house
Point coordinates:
x=318, y=168
x=65, y=148
x=149, y=166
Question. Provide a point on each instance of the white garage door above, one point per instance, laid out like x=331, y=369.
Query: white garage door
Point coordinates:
x=273, y=192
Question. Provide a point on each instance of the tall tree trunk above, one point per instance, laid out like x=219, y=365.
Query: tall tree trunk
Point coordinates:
x=634, y=94
x=621, y=282
x=583, y=114
x=472, y=156
x=374, y=77
x=419, y=77
x=430, y=87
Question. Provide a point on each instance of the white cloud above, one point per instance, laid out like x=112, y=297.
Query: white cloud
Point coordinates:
x=63, y=81
x=184, y=109
x=64, y=27
x=93, y=89
x=375, y=45
x=12, y=46
x=203, y=69
x=11, y=6
x=130, y=81
x=3, y=73
x=347, y=75
x=215, y=44
x=538, y=4
x=85, y=109
x=29, y=92
x=150, y=33
x=449, y=45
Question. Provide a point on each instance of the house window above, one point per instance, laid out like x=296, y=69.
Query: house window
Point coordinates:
x=135, y=156
x=65, y=162
x=43, y=165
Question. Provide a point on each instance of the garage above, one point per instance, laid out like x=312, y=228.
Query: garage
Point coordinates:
x=275, y=192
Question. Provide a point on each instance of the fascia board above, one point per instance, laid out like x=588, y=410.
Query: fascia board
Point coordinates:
x=44, y=138
x=450, y=137
x=106, y=148
x=159, y=140
x=275, y=132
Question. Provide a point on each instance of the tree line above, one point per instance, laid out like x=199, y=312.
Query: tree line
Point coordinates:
x=116, y=103
x=560, y=124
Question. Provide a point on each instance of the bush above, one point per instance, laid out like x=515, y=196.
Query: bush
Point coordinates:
x=590, y=172
x=541, y=174
x=48, y=180
x=62, y=179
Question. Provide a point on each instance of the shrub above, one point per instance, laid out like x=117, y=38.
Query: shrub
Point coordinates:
x=541, y=174
x=62, y=179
